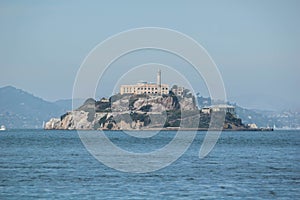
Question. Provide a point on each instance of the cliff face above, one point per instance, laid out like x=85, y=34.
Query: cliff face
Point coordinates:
x=134, y=112
x=75, y=120
x=122, y=112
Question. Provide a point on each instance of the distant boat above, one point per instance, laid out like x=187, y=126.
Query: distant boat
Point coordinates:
x=2, y=128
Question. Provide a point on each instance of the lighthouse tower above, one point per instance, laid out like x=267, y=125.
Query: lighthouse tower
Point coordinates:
x=158, y=82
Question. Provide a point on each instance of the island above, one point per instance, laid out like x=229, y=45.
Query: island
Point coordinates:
x=149, y=106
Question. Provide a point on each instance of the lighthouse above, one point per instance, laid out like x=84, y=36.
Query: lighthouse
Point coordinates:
x=158, y=81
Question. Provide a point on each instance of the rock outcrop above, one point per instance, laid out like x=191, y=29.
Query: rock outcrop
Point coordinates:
x=134, y=112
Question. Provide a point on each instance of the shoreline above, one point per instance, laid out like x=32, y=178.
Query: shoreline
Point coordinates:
x=174, y=129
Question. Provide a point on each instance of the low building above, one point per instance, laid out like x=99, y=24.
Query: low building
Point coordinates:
x=253, y=126
x=219, y=108
x=223, y=107
x=178, y=91
x=104, y=100
x=205, y=110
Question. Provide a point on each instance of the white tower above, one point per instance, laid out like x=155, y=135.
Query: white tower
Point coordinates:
x=158, y=82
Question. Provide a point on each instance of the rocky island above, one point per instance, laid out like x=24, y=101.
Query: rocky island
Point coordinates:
x=149, y=106
x=142, y=112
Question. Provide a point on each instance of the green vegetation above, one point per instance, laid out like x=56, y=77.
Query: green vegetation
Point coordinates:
x=91, y=115
x=102, y=106
x=146, y=108
x=141, y=117
x=173, y=118
x=110, y=126
x=134, y=98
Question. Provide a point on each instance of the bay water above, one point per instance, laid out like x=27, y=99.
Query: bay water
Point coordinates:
x=40, y=164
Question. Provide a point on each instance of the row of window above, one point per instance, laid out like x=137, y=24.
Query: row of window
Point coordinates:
x=152, y=88
x=149, y=92
x=131, y=89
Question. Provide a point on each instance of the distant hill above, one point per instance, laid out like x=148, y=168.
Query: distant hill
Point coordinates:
x=19, y=109
x=66, y=104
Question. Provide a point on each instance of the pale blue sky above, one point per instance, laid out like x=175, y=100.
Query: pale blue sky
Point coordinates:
x=255, y=44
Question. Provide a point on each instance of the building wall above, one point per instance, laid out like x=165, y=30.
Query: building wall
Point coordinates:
x=178, y=91
x=219, y=108
x=144, y=89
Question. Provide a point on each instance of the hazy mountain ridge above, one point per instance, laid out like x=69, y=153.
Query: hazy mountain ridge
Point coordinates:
x=20, y=109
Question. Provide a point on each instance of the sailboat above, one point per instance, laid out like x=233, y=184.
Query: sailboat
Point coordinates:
x=2, y=128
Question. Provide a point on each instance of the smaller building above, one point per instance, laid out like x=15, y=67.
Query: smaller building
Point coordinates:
x=219, y=108
x=178, y=91
x=253, y=126
x=223, y=107
x=104, y=100
x=205, y=110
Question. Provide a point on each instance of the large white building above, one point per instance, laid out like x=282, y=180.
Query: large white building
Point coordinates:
x=146, y=88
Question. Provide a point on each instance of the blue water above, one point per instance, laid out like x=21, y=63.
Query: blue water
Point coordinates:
x=56, y=165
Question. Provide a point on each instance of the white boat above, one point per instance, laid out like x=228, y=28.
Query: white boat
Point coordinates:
x=2, y=128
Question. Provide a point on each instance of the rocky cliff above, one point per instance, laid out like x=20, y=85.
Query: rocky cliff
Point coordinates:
x=134, y=112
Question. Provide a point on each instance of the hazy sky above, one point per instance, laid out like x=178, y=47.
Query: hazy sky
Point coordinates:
x=255, y=44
